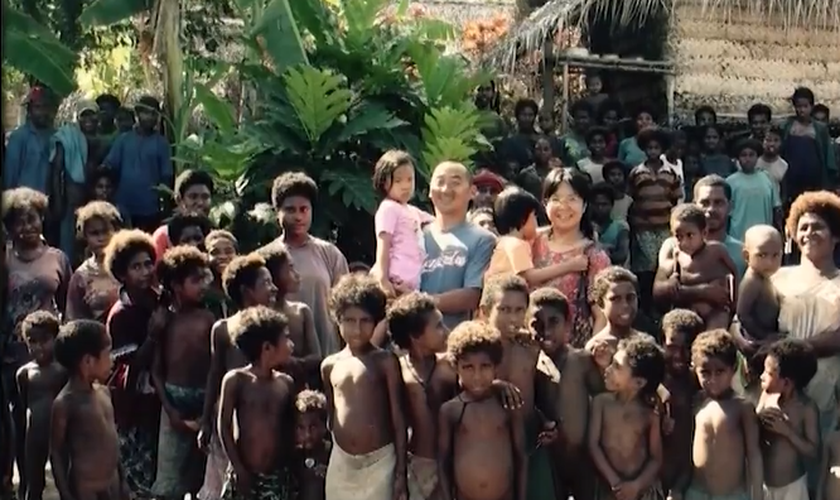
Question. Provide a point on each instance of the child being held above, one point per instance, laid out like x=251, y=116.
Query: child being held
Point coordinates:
x=481, y=445
x=312, y=444
x=38, y=383
x=84, y=447
x=758, y=300
x=789, y=419
x=261, y=400
x=624, y=426
x=726, y=456
x=613, y=234
x=399, y=241
x=698, y=261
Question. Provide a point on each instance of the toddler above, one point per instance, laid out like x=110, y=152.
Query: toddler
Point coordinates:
x=312, y=443
x=759, y=302
x=399, y=239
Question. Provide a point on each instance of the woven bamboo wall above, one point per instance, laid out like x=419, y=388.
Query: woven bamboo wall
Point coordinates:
x=734, y=63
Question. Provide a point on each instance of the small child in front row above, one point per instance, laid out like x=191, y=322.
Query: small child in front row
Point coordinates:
x=481, y=445
x=579, y=379
x=84, y=447
x=38, y=383
x=363, y=385
x=313, y=446
x=758, y=300
x=399, y=248
x=625, y=427
x=262, y=399
x=726, y=456
x=789, y=419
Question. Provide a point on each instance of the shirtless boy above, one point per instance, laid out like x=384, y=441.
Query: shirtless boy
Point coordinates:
x=504, y=304
x=363, y=385
x=788, y=418
x=416, y=327
x=697, y=261
x=248, y=283
x=725, y=455
x=179, y=371
x=679, y=329
x=481, y=446
x=262, y=399
x=313, y=447
x=38, y=383
x=829, y=485
x=615, y=290
x=625, y=437
x=307, y=356
x=84, y=447
x=758, y=300
x=579, y=378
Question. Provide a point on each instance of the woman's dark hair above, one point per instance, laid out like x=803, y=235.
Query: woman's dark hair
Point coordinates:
x=496, y=103
x=524, y=104
x=647, y=136
x=596, y=132
x=803, y=93
x=123, y=247
x=189, y=178
x=579, y=184
x=705, y=110
x=293, y=184
x=645, y=108
x=512, y=208
x=388, y=163
x=582, y=106
x=180, y=222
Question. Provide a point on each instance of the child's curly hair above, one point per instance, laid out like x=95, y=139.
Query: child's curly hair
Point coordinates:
x=475, y=337
x=218, y=235
x=242, y=271
x=408, y=316
x=797, y=361
x=291, y=184
x=717, y=344
x=22, y=199
x=179, y=263
x=180, y=222
x=646, y=360
x=276, y=255
x=309, y=401
x=356, y=290
x=42, y=321
x=77, y=339
x=497, y=285
x=823, y=204
x=101, y=210
x=682, y=322
x=256, y=326
x=606, y=277
x=690, y=213
x=123, y=247
x=551, y=297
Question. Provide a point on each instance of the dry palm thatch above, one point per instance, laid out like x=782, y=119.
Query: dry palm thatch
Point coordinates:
x=558, y=15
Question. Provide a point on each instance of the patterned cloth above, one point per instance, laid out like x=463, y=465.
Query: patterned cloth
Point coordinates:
x=215, y=471
x=138, y=449
x=644, y=249
x=422, y=478
x=180, y=467
x=271, y=486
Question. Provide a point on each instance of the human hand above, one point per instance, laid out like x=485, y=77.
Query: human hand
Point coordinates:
x=718, y=294
x=400, y=487
x=549, y=434
x=192, y=425
x=157, y=322
x=668, y=424
x=602, y=353
x=509, y=394
x=203, y=438
x=400, y=288
x=627, y=491
x=577, y=264
x=176, y=421
x=775, y=420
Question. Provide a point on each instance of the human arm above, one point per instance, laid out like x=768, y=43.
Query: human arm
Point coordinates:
x=444, y=447
x=748, y=293
x=22, y=386
x=165, y=158
x=520, y=455
x=664, y=284
x=227, y=404
x=650, y=472
x=594, y=439
x=219, y=341
x=825, y=464
x=76, y=308
x=313, y=351
x=727, y=262
x=385, y=225
x=56, y=183
x=805, y=444
x=64, y=273
x=755, y=466
x=326, y=371
x=394, y=385
x=58, y=454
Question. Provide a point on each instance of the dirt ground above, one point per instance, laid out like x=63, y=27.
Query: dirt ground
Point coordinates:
x=50, y=493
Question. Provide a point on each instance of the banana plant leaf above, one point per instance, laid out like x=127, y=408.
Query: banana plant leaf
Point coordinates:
x=106, y=12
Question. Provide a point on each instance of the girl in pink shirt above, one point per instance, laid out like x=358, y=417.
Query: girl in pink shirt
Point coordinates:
x=399, y=237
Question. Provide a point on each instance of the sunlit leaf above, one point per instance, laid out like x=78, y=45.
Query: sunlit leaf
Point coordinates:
x=105, y=12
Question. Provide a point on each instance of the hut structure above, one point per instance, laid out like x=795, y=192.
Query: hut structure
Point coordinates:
x=729, y=54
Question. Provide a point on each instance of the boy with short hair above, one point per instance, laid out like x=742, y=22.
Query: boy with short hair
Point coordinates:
x=312, y=443
x=179, y=371
x=504, y=304
x=188, y=229
x=613, y=234
x=771, y=162
x=789, y=417
x=624, y=428
x=726, y=456
x=248, y=283
x=84, y=447
x=615, y=174
x=38, y=383
x=368, y=460
x=193, y=194
x=579, y=379
x=262, y=399
x=679, y=329
x=754, y=198
x=481, y=446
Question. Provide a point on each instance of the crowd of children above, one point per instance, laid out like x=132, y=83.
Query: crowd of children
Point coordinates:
x=169, y=365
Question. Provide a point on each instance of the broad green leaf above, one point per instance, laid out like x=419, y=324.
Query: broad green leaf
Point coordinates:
x=319, y=99
x=219, y=112
x=277, y=28
x=107, y=12
x=33, y=50
x=365, y=119
x=355, y=187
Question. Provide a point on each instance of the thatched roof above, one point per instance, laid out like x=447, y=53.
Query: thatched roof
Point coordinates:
x=460, y=12
x=530, y=34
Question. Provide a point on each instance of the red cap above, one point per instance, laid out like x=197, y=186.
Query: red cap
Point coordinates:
x=486, y=178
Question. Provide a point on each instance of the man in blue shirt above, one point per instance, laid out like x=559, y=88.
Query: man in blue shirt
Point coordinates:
x=142, y=160
x=27, y=161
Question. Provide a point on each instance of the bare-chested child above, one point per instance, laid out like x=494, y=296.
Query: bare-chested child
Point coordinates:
x=829, y=483
x=504, y=304
x=313, y=446
x=247, y=282
x=698, y=261
x=625, y=433
x=306, y=360
x=363, y=384
x=789, y=419
x=481, y=445
x=579, y=379
x=725, y=454
x=615, y=290
x=258, y=402
x=179, y=371
x=38, y=383
x=758, y=300
x=679, y=329
x=84, y=447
